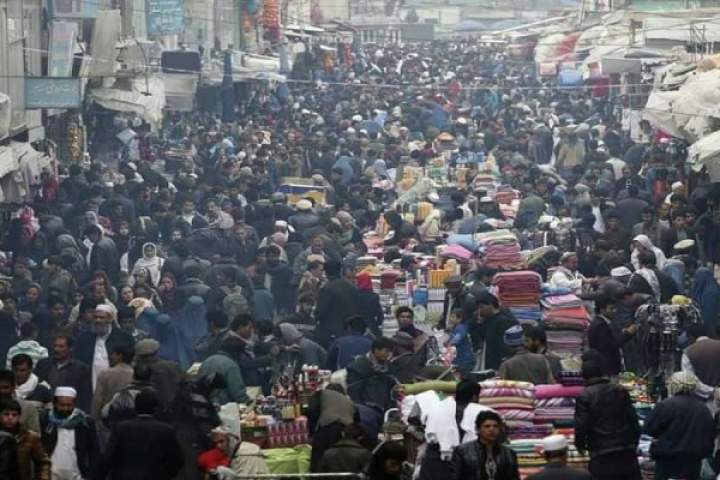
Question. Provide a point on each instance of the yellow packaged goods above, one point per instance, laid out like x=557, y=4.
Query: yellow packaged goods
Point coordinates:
x=437, y=278
x=423, y=210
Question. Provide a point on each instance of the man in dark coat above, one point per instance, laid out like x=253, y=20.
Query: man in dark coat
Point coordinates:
x=345, y=349
x=603, y=338
x=62, y=370
x=703, y=357
x=606, y=424
x=165, y=377
x=458, y=296
x=487, y=333
x=103, y=333
x=555, y=451
x=103, y=254
x=368, y=377
x=347, y=455
x=335, y=303
x=279, y=275
x=683, y=430
x=192, y=286
x=141, y=448
x=69, y=436
x=471, y=460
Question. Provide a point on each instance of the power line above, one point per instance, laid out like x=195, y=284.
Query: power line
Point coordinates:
x=234, y=23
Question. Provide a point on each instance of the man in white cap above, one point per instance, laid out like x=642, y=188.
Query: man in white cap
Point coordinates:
x=94, y=347
x=555, y=451
x=69, y=437
x=305, y=218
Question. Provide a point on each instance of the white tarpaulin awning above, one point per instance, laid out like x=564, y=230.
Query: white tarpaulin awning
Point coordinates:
x=146, y=99
x=8, y=161
x=706, y=150
x=690, y=111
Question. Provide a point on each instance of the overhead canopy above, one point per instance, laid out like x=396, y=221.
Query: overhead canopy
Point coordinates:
x=147, y=100
x=689, y=112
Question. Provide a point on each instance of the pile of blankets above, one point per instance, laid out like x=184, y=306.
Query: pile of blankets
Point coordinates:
x=500, y=249
x=556, y=403
x=514, y=401
x=566, y=322
x=520, y=292
x=530, y=459
x=571, y=378
x=575, y=459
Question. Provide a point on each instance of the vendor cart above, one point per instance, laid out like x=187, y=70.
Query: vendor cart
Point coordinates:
x=297, y=188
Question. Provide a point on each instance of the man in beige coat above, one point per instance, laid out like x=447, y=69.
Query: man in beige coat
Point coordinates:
x=112, y=381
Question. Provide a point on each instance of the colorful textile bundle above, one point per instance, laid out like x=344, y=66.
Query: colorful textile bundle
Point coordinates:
x=520, y=292
x=571, y=379
x=556, y=403
x=515, y=401
x=566, y=321
x=500, y=249
x=538, y=431
x=552, y=409
x=506, y=195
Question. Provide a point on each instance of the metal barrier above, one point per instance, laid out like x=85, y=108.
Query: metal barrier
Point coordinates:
x=259, y=476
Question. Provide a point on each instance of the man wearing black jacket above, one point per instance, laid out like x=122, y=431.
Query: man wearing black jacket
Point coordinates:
x=62, y=370
x=603, y=338
x=93, y=347
x=142, y=447
x=472, y=459
x=69, y=437
x=606, y=424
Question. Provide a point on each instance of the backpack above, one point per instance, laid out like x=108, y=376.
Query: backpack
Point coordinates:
x=234, y=302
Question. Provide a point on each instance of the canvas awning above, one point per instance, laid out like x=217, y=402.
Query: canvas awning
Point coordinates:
x=146, y=99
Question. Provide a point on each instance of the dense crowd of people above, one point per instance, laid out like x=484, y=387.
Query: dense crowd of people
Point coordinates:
x=116, y=281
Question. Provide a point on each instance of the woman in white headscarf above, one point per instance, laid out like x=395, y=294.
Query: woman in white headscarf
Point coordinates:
x=245, y=458
x=643, y=243
x=151, y=262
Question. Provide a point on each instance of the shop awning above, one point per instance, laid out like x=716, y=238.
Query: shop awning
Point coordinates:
x=146, y=99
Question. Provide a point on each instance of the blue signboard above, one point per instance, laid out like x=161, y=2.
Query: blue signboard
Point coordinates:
x=46, y=92
x=165, y=17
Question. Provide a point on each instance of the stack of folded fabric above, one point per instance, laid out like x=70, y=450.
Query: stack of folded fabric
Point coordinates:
x=500, y=249
x=575, y=459
x=566, y=321
x=571, y=378
x=556, y=403
x=484, y=181
x=529, y=458
x=529, y=432
x=505, y=195
x=515, y=401
x=525, y=441
x=520, y=292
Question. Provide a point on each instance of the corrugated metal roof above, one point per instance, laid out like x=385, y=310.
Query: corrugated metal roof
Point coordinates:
x=681, y=29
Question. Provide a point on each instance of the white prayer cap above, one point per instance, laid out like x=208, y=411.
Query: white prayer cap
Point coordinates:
x=554, y=443
x=68, y=392
x=676, y=185
x=104, y=307
x=620, y=272
x=684, y=244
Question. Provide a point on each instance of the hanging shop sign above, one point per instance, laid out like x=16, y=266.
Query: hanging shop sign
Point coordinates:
x=46, y=92
x=165, y=17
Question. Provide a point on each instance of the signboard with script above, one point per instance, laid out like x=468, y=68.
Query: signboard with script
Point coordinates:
x=46, y=92
x=165, y=17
